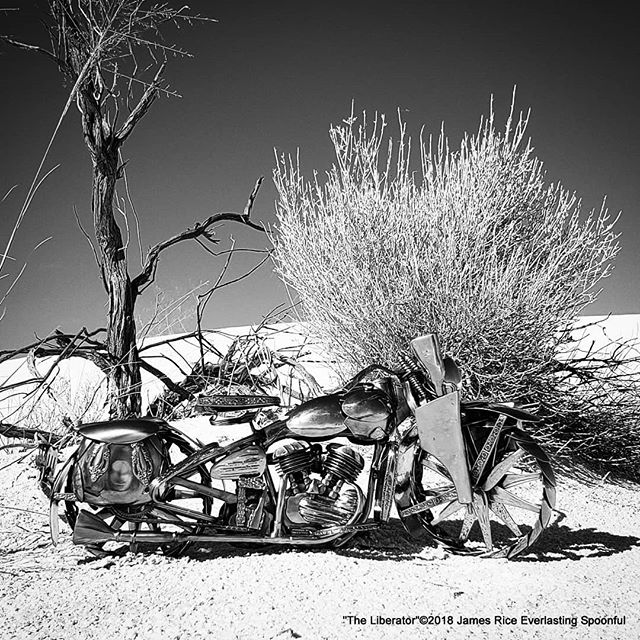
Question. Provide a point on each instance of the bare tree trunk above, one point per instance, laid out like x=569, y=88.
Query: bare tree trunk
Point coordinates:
x=121, y=330
x=91, y=45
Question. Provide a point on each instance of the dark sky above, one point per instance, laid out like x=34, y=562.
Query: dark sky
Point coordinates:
x=276, y=75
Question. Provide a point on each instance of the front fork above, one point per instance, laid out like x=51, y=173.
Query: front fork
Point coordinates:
x=46, y=461
x=382, y=479
x=438, y=421
x=439, y=427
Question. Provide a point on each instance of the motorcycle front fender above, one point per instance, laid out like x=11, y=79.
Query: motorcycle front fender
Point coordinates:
x=440, y=433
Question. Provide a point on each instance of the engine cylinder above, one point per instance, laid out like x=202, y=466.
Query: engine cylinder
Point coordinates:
x=344, y=463
x=292, y=457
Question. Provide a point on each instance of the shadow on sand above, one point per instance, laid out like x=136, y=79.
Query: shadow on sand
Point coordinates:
x=560, y=542
x=392, y=543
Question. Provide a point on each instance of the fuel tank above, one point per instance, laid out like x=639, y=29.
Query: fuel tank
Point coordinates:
x=317, y=418
x=365, y=411
x=368, y=408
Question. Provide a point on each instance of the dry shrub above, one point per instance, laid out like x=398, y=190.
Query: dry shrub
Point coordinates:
x=475, y=245
x=55, y=406
x=253, y=363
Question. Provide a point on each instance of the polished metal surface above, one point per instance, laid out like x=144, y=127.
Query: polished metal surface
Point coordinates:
x=248, y=513
x=292, y=457
x=90, y=530
x=367, y=410
x=320, y=417
x=226, y=402
x=213, y=492
x=487, y=449
x=251, y=461
x=367, y=403
x=433, y=505
x=317, y=490
x=425, y=505
x=323, y=511
x=122, y=431
x=427, y=350
x=388, y=483
x=439, y=433
x=343, y=462
x=452, y=373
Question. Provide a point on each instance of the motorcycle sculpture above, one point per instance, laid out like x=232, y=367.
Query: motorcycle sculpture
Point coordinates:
x=466, y=473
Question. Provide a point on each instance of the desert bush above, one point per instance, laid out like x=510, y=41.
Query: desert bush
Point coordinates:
x=58, y=405
x=269, y=359
x=474, y=244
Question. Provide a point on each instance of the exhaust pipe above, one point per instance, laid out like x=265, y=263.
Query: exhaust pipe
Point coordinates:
x=91, y=530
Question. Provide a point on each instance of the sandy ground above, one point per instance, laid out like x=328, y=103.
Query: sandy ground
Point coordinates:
x=586, y=566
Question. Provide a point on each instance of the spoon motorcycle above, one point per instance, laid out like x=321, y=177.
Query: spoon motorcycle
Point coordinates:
x=465, y=473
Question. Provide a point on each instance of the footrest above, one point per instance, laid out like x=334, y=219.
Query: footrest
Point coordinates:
x=221, y=402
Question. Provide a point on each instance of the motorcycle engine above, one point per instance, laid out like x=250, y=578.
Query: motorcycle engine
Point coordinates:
x=321, y=490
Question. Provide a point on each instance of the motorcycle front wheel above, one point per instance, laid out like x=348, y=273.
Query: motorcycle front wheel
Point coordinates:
x=513, y=492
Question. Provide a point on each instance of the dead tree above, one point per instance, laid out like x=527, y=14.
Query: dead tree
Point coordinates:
x=103, y=49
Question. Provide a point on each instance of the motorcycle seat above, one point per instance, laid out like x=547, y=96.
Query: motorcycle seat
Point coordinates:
x=122, y=431
x=223, y=402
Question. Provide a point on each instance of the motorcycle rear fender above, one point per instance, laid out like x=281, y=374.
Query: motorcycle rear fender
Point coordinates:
x=440, y=434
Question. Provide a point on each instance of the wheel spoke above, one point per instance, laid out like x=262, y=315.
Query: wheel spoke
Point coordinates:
x=170, y=520
x=449, y=510
x=501, y=469
x=487, y=448
x=514, y=479
x=510, y=476
x=467, y=523
x=500, y=495
x=442, y=489
x=432, y=464
x=134, y=527
x=481, y=511
x=425, y=505
x=501, y=511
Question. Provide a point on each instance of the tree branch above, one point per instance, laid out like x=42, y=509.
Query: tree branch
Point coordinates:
x=8, y=430
x=62, y=346
x=180, y=338
x=147, y=275
x=44, y=347
x=166, y=380
x=79, y=345
x=137, y=113
x=32, y=47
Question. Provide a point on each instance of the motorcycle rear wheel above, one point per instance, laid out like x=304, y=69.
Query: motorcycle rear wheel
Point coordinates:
x=513, y=495
x=136, y=520
x=147, y=517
